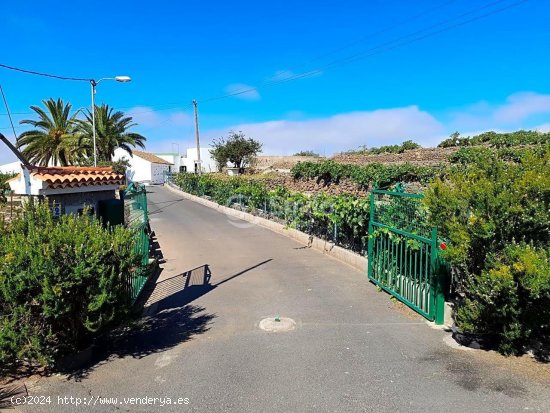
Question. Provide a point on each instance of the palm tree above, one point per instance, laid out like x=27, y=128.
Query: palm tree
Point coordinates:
x=53, y=138
x=111, y=130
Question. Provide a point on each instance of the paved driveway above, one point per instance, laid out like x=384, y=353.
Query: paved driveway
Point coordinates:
x=353, y=349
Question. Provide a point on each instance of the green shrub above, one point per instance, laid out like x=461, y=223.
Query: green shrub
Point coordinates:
x=307, y=153
x=365, y=176
x=498, y=140
x=483, y=154
x=400, y=148
x=4, y=185
x=510, y=299
x=62, y=282
x=486, y=209
x=340, y=218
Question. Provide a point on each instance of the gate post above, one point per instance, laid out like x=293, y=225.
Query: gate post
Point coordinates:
x=437, y=281
x=370, y=241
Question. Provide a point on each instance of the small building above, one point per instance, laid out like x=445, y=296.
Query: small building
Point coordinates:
x=69, y=190
x=177, y=160
x=207, y=163
x=188, y=162
x=145, y=167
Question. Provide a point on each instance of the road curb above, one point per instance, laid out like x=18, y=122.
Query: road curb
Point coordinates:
x=341, y=254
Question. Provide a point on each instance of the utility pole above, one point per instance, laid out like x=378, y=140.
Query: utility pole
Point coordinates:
x=199, y=166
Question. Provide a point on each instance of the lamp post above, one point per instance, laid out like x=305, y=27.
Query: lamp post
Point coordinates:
x=93, y=84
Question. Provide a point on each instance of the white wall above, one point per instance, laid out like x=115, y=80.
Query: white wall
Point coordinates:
x=175, y=158
x=208, y=164
x=140, y=170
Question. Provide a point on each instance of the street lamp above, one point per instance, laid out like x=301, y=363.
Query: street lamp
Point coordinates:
x=94, y=83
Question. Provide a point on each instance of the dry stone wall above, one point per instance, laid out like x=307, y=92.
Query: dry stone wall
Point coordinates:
x=423, y=156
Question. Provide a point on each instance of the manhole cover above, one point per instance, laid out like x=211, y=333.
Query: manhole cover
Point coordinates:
x=277, y=324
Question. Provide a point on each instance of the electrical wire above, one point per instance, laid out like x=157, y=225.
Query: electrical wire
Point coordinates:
x=32, y=72
x=8, y=110
x=389, y=45
x=381, y=48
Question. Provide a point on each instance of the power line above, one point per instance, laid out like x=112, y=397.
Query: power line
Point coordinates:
x=381, y=48
x=366, y=53
x=407, y=20
x=386, y=46
x=376, y=33
x=32, y=72
x=8, y=110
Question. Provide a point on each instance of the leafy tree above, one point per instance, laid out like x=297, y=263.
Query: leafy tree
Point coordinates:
x=237, y=149
x=53, y=138
x=218, y=152
x=111, y=133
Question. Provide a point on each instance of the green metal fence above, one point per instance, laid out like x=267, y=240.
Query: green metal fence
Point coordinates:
x=403, y=252
x=136, y=217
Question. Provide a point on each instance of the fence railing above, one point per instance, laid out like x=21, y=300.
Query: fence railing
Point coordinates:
x=313, y=215
x=392, y=227
x=403, y=252
x=137, y=218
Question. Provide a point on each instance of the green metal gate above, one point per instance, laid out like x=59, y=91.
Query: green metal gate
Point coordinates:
x=136, y=217
x=403, y=252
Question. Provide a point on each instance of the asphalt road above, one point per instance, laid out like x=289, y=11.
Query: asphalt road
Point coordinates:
x=353, y=349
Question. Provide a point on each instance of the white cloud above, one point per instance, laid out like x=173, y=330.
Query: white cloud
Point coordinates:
x=520, y=106
x=389, y=126
x=297, y=131
x=243, y=91
x=514, y=113
x=343, y=131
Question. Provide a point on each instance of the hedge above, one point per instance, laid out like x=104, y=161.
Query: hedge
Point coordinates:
x=62, y=282
x=495, y=214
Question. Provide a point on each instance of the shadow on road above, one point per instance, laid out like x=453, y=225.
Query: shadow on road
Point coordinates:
x=160, y=206
x=168, y=319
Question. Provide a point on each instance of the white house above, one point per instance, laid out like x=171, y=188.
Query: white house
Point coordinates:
x=68, y=189
x=145, y=167
x=207, y=163
x=177, y=160
x=186, y=162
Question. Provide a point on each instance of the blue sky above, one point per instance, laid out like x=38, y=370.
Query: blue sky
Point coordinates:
x=491, y=74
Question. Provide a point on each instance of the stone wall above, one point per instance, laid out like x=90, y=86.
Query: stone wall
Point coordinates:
x=423, y=156
x=264, y=163
x=312, y=186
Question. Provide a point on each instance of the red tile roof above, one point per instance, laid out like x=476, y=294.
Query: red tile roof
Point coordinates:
x=76, y=176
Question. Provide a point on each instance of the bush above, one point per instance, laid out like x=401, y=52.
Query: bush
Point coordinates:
x=307, y=153
x=494, y=214
x=405, y=146
x=4, y=185
x=510, y=299
x=497, y=140
x=62, y=282
x=365, y=176
x=342, y=219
